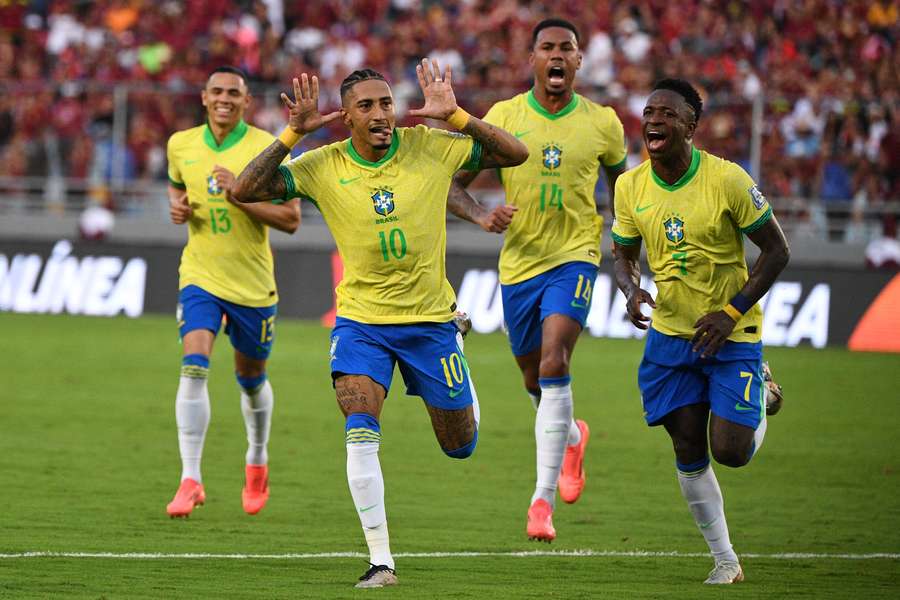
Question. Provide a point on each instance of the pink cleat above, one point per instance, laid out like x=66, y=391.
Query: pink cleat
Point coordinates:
x=571, y=476
x=190, y=494
x=256, y=488
x=540, y=522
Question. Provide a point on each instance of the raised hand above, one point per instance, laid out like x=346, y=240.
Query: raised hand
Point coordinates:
x=304, y=116
x=440, y=102
x=633, y=306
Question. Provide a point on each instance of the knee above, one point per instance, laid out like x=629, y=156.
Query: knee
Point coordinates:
x=250, y=383
x=464, y=451
x=555, y=363
x=729, y=455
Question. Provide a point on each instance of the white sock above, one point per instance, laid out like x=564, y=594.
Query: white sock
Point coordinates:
x=574, y=432
x=257, y=409
x=759, y=435
x=704, y=498
x=192, y=416
x=367, y=490
x=551, y=432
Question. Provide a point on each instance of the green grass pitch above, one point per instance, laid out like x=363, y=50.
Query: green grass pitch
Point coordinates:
x=89, y=459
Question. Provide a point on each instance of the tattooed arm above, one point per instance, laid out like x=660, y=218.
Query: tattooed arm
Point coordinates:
x=260, y=180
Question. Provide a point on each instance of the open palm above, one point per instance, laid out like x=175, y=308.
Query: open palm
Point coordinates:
x=303, y=110
x=440, y=101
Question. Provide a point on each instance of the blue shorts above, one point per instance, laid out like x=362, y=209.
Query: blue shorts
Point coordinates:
x=564, y=290
x=672, y=375
x=251, y=329
x=430, y=358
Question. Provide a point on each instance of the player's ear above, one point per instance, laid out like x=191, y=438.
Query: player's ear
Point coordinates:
x=345, y=117
x=531, y=59
x=580, y=58
x=203, y=96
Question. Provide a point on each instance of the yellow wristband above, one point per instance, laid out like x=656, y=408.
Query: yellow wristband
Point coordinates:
x=733, y=312
x=459, y=119
x=289, y=137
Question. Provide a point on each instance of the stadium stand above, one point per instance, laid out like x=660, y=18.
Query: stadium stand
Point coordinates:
x=803, y=93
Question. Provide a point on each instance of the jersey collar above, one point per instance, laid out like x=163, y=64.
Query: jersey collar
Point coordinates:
x=536, y=106
x=395, y=143
x=239, y=131
x=684, y=179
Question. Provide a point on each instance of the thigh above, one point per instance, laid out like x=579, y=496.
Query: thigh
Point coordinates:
x=359, y=394
x=452, y=428
x=198, y=310
x=251, y=329
x=568, y=291
x=433, y=365
x=361, y=349
x=522, y=314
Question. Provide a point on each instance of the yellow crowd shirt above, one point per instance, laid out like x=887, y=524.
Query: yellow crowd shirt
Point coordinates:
x=388, y=219
x=557, y=220
x=227, y=253
x=693, y=231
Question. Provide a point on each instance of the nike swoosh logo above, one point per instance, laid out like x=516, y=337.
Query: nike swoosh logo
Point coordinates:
x=368, y=507
x=641, y=209
x=455, y=393
x=519, y=134
x=351, y=180
x=190, y=162
x=741, y=408
x=574, y=304
x=707, y=525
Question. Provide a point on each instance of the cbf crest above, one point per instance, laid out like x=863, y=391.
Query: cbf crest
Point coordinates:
x=383, y=202
x=674, y=228
x=552, y=156
x=212, y=186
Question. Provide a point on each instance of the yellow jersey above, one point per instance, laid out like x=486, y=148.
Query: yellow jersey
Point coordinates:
x=693, y=230
x=388, y=219
x=227, y=253
x=557, y=220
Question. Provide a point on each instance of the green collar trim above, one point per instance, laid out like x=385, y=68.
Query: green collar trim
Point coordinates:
x=239, y=131
x=536, y=106
x=395, y=143
x=685, y=179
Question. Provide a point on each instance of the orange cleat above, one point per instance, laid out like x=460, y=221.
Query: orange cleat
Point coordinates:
x=571, y=476
x=540, y=522
x=256, y=488
x=190, y=494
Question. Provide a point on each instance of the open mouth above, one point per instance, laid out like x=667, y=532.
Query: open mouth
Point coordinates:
x=655, y=140
x=556, y=75
x=380, y=131
x=223, y=111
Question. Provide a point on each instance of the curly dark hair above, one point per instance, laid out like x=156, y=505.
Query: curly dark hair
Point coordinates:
x=685, y=90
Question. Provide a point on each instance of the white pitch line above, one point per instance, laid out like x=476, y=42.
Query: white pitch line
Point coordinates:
x=522, y=554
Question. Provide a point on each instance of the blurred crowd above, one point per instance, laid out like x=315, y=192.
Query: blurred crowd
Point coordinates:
x=823, y=75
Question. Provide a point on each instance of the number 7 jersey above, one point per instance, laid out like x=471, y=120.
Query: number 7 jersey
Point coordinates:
x=557, y=220
x=388, y=219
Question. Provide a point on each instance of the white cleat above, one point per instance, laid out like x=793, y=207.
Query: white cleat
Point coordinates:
x=774, y=393
x=725, y=572
x=377, y=576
